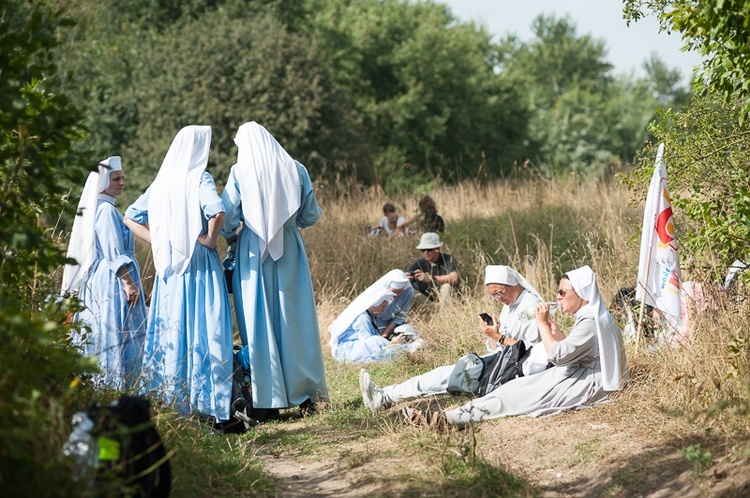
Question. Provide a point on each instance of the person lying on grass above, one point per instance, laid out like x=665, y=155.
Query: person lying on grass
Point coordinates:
x=588, y=364
x=503, y=284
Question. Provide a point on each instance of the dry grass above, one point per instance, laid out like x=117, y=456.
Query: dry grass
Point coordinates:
x=542, y=228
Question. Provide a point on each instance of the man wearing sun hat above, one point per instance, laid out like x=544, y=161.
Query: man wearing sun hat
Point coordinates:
x=434, y=276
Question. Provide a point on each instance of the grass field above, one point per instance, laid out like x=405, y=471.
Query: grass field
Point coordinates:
x=685, y=409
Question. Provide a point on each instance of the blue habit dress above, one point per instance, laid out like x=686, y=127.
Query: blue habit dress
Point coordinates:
x=117, y=329
x=188, y=347
x=275, y=306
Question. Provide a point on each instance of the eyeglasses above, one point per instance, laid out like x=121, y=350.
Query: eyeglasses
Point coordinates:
x=563, y=293
x=499, y=294
x=428, y=250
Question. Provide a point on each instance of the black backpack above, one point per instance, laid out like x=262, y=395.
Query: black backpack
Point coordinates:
x=505, y=366
x=241, y=410
x=131, y=459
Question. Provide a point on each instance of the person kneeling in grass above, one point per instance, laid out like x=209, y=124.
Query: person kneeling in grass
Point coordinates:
x=588, y=364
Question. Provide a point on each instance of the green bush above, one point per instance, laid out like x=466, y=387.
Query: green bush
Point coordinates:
x=39, y=381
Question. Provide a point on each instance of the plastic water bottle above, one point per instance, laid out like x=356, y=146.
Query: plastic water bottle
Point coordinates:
x=530, y=313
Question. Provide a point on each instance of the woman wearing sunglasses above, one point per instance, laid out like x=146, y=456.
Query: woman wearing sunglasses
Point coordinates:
x=589, y=363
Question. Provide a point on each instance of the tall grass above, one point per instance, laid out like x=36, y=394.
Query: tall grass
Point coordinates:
x=543, y=228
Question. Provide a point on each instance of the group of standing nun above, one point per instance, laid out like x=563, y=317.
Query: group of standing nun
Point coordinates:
x=183, y=352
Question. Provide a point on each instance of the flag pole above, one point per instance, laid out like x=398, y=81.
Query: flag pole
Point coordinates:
x=643, y=299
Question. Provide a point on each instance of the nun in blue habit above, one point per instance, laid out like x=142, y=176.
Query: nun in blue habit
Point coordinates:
x=107, y=279
x=272, y=196
x=188, y=347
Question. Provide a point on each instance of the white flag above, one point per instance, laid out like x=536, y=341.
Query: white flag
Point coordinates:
x=659, y=279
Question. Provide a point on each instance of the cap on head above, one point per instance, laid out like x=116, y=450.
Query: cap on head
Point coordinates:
x=429, y=240
x=499, y=274
x=112, y=163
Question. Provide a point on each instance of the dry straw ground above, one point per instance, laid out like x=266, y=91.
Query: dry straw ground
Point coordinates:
x=679, y=428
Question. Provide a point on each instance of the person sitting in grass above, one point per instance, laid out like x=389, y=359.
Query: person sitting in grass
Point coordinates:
x=394, y=315
x=589, y=363
x=503, y=284
x=435, y=275
x=391, y=224
x=354, y=334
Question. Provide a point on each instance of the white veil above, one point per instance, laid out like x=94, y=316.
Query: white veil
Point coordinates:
x=609, y=336
x=269, y=186
x=82, y=243
x=174, y=211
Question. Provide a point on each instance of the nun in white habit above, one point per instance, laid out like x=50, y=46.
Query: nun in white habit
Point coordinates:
x=107, y=279
x=271, y=196
x=589, y=362
x=354, y=333
x=188, y=347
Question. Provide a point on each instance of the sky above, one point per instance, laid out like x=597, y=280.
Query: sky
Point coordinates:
x=628, y=46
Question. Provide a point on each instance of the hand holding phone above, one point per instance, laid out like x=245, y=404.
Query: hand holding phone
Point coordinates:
x=487, y=319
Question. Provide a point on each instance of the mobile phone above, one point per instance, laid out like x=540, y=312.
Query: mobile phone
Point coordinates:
x=487, y=318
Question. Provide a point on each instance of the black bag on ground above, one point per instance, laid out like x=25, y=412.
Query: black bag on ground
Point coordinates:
x=505, y=366
x=131, y=457
x=241, y=410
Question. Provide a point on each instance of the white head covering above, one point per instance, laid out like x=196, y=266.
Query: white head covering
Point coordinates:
x=269, y=186
x=82, y=244
x=609, y=336
x=174, y=211
x=372, y=296
x=395, y=279
x=505, y=275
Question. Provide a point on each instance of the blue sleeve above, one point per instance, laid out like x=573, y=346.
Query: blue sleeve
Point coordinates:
x=309, y=211
x=402, y=305
x=363, y=327
x=108, y=226
x=211, y=203
x=232, y=200
x=138, y=211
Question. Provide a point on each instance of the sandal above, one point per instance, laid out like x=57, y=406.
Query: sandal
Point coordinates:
x=430, y=420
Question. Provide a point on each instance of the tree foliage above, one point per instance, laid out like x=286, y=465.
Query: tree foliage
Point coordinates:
x=37, y=129
x=582, y=118
x=707, y=144
x=719, y=31
x=383, y=91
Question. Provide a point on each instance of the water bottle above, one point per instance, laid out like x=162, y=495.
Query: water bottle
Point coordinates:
x=228, y=262
x=530, y=313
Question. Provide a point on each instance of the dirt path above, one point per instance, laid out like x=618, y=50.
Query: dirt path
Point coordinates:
x=590, y=453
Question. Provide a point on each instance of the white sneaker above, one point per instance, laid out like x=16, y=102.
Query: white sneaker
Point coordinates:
x=373, y=397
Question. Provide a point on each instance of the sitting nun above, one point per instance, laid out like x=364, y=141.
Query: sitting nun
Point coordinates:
x=394, y=315
x=188, y=348
x=107, y=279
x=588, y=364
x=354, y=334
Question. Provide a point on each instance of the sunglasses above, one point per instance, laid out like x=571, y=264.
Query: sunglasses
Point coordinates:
x=428, y=250
x=563, y=293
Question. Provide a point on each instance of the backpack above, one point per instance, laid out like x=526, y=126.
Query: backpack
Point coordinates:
x=241, y=409
x=505, y=366
x=121, y=445
x=466, y=374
